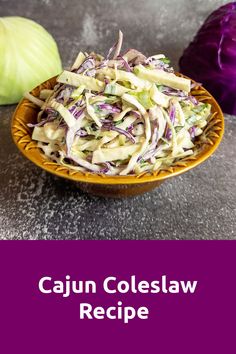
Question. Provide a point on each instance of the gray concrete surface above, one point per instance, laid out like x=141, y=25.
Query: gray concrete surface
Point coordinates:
x=200, y=204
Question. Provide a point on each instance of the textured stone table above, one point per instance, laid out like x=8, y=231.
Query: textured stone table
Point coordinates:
x=200, y=204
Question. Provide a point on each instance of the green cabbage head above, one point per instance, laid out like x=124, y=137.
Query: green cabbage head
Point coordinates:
x=29, y=56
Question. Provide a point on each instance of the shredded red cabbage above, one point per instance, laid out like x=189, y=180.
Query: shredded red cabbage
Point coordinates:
x=110, y=126
x=172, y=113
x=125, y=64
x=109, y=108
x=192, y=131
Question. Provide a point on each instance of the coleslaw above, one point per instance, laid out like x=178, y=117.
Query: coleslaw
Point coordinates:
x=118, y=115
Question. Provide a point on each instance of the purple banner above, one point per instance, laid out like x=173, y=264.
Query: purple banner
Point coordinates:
x=117, y=297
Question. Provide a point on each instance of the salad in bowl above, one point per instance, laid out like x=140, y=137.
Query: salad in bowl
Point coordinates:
x=119, y=115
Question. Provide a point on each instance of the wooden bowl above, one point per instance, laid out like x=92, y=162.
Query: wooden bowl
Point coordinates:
x=115, y=186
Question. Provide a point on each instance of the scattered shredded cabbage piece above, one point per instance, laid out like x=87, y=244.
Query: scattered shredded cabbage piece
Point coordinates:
x=119, y=115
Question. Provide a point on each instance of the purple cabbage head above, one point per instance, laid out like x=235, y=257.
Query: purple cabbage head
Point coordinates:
x=211, y=57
